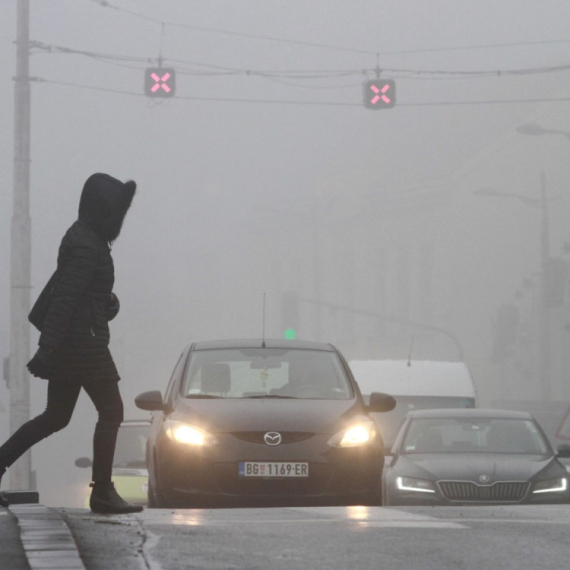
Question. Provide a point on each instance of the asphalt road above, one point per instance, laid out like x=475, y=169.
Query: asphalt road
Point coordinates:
x=420, y=538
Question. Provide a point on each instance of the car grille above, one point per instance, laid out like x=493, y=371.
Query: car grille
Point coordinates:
x=286, y=436
x=502, y=491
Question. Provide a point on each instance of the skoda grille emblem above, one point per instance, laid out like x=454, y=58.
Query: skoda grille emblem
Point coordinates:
x=272, y=438
x=484, y=478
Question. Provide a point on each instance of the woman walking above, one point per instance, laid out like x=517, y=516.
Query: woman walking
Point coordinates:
x=73, y=348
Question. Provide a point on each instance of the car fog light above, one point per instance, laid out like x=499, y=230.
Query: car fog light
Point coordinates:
x=551, y=486
x=354, y=436
x=189, y=435
x=411, y=484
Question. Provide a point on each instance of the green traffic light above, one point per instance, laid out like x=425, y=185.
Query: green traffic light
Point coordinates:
x=290, y=334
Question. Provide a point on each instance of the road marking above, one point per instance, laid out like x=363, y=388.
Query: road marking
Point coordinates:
x=361, y=517
x=413, y=524
x=556, y=522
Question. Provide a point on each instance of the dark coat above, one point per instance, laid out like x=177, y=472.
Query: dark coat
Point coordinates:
x=76, y=327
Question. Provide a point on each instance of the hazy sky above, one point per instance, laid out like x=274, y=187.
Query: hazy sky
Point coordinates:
x=203, y=242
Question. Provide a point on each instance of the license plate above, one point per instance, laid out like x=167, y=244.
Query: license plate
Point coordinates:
x=273, y=469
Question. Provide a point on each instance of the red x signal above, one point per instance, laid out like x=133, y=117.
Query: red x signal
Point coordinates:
x=380, y=94
x=159, y=82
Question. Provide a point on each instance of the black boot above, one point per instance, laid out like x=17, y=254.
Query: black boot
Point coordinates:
x=105, y=500
x=3, y=500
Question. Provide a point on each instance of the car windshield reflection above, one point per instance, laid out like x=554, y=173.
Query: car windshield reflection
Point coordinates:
x=390, y=422
x=269, y=396
x=266, y=373
x=474, y=435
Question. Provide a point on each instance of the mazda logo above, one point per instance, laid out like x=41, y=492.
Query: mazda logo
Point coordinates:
x=484, y=478
x=272, y=438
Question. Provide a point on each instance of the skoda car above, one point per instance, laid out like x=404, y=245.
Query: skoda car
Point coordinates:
x=265, y=422
x=473, y=456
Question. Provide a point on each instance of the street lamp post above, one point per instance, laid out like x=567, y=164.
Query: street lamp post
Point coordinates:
x=543, y=308
x=538, y=130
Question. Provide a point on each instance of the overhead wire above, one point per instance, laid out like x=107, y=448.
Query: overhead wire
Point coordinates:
x=106, y=4
x=313, y=73
x=280, y=76
x=311, y=103
x=323, y=87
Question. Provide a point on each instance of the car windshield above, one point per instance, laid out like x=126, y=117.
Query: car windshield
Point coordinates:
x=266, y=373
x=130, y=450
x=474, y=435
x=390, y=422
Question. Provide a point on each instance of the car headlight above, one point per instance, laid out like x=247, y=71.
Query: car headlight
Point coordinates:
x=189, y=435
x=354, y=436
x=411, y=484
x=551, y=486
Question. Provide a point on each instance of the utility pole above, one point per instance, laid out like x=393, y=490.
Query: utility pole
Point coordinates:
x=545, y=350
x=20, y=472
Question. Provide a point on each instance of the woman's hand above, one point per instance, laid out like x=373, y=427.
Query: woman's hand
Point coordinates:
x=42, y=365
x=113, y=306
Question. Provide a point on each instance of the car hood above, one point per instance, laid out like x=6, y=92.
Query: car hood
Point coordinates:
x=231, y=415
x=463, y=467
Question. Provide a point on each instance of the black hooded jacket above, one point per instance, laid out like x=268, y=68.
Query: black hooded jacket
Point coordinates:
x=76, y=327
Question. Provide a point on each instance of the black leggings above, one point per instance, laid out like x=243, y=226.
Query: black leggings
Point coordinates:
x=61, y=399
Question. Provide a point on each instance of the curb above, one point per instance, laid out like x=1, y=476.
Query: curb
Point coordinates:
x=46, y=539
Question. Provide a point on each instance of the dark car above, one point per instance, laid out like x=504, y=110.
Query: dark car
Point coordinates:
x=473, y=456
x=252, y=421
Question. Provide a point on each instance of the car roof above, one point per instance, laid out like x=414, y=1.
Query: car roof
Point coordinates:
x=414, y=378
x=469, y=413
x=260, y=343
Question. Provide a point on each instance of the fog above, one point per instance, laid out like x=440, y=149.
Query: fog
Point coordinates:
x=252, y=185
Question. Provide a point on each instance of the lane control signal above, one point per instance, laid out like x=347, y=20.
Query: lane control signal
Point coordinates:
x=159, y=82
x=380, y=94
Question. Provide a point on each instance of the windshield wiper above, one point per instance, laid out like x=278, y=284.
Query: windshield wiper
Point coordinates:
x=268, y=396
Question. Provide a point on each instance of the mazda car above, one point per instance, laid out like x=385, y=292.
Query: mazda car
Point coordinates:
x=474, y=456
x=263, y=422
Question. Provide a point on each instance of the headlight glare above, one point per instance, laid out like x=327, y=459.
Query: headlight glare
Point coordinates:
x=551, y=486
x=189, y=435
x=412, y=484
x=354, y=436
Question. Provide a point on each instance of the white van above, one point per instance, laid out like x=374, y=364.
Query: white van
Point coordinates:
x=416, y=384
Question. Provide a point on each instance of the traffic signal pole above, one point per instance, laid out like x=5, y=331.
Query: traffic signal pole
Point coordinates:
x=20, y=472
x=391, y=319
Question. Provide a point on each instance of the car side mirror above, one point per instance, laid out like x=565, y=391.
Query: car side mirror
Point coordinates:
x=563, y=451
x=380, y=402
x=83, y=462
x=150, y=401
